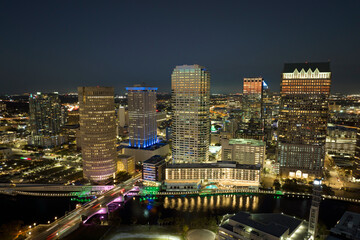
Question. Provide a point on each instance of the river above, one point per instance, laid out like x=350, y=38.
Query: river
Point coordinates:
x=138, y=211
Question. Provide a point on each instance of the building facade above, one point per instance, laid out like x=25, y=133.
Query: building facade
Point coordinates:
x=97, y=132
x=190, y=85
x=304, y=89
x=44, y=113
x=243, y=151
x=45, y=119
x=180, y=177
x=142, y=116
x=154, y=169
x=125, y=163
x=252, y=105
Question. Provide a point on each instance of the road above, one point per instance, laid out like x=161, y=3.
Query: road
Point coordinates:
x=63, y=226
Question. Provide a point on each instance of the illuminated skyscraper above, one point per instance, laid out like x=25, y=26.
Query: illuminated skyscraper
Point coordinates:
x=45, y=120
x=252, y=123
x=142, y=116
x=97, y=132
x=190, y=85
x=304, y=89
x=44, y=113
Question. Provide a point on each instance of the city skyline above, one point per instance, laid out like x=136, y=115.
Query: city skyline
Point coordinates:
x=89, y=45
x=180, y=120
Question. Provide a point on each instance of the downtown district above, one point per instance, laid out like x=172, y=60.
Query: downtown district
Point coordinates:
x=192, y=141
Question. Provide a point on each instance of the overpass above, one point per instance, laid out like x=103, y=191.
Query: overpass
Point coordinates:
x=71, y=221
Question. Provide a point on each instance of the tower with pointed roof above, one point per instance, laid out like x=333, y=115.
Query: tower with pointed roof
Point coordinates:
x=304, y=90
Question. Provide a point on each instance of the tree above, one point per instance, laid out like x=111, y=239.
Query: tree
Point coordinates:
x=276, y=184
x=122, y=176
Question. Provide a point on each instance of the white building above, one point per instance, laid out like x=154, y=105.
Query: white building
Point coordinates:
x=187, y=177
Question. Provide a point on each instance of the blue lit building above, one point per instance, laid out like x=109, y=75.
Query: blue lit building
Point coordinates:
x=142, y=116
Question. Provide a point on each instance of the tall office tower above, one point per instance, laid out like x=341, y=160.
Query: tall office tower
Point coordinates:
x=190, y=85
x=121, y=116
x=252, y=126
x=142, y=116
x=97, y=132
x=304, y=89
x=44, y=114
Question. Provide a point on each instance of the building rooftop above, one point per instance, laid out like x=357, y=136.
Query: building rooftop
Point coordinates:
x=219, y=164
x=275, y=224
x=194, y=66
x=252, y=142
x=152, y=147
x=124, y=156
x=154, y=160
x=349, y=226
x=322, y=66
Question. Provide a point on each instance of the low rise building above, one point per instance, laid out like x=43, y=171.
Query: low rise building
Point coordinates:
x=47, y=141
x=347, y=228
x=243, y=151
x=191, y=177
x=154, y=169
x=125, y=163
x=142, y=154
x=272, y=226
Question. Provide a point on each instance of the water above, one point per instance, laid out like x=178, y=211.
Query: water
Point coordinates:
x=153, y=211
x=33, y=209
x=188, y=208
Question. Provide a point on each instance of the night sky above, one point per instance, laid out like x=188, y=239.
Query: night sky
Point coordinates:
x=60, y=45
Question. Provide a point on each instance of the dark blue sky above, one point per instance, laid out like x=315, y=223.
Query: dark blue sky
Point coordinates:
x=59, y=45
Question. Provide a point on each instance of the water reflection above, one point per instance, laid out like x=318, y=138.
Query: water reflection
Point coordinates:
x=211, y=203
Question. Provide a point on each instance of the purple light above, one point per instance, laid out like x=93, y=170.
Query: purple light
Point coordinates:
x=103, y=210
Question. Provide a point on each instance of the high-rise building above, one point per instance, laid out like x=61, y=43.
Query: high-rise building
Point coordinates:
x=121, y=116
x=45, y=120
x=44, y=113
x=252, y=105
x=142, y=116
x=97, y=132
x=190, y=85
x=304, y=89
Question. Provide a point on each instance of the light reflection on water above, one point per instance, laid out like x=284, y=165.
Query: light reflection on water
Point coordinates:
x=210, y=203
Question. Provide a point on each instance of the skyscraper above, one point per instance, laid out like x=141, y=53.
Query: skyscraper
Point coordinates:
x=97, y=132
x=190, y=85
x=121, y=116
x=45, y=120
x=142, y=116
x=304, y=89
x=252, y=105
x=44, y=113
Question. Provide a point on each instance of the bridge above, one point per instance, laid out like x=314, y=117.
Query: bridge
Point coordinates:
x=51, y=190
x=71, y=221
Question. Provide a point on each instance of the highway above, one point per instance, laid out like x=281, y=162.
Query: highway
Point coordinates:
x=68, y=223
